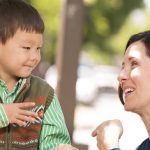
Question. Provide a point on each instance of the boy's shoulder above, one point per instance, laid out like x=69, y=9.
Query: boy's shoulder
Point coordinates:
x=39, y=85
x=38, y=90
x=38, y=81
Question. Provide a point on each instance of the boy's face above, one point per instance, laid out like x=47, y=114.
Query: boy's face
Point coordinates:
x=20, y=54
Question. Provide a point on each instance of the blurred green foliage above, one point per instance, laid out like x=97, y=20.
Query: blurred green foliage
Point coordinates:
x=136, y=22
x=103, y=20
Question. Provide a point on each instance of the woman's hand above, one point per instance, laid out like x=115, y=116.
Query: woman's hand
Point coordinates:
x=108, y=134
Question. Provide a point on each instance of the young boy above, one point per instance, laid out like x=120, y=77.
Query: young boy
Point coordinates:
x=30, y=114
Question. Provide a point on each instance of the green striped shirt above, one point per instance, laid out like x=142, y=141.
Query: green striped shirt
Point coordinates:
x=54, y=131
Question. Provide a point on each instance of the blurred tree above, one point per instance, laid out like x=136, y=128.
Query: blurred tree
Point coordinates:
x=68, y=48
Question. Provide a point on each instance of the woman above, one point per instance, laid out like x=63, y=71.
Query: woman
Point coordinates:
x=134, y=92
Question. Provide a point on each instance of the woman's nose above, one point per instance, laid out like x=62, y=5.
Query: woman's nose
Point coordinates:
x=123, y=75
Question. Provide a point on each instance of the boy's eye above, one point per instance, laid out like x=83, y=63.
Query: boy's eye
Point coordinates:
x=39, y=48
x=26, y=47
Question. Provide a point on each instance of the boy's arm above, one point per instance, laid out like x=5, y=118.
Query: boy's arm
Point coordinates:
x=54, y=131
x=3, y=117
x=16, y=113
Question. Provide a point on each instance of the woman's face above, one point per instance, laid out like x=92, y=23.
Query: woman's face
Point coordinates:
x=134, y=78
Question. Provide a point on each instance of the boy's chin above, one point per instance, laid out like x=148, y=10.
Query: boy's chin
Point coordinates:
x=24, y=75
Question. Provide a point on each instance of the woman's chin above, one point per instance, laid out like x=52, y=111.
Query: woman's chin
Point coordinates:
x=127, y=107
x=130, y=108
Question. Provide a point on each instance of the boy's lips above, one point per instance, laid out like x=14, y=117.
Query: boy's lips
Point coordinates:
x=29, y=66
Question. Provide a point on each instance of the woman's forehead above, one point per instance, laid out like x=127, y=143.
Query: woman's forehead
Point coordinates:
x=135, y=50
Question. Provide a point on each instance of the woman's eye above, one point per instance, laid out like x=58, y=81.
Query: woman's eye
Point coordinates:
x=133, y=64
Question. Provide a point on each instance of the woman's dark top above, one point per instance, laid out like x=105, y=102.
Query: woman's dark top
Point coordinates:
x=145, y=145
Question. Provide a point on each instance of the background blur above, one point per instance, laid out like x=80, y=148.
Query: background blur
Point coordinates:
x=81, y=57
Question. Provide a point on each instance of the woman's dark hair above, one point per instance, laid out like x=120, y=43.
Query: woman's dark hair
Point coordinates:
x=16, y=14
x=144, y=37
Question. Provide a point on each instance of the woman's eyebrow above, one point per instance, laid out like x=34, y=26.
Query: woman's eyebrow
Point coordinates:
x=132, y=58
x=122, y=65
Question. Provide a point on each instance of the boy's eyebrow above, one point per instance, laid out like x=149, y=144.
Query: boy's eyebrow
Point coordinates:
x=27, y=41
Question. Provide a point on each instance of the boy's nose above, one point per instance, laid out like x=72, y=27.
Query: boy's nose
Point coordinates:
x=34, y=55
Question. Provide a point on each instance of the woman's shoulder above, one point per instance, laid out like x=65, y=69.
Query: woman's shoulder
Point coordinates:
x=145, y=145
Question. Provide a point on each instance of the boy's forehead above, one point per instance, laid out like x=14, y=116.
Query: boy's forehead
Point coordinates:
x=28, y=36
x=23, y=31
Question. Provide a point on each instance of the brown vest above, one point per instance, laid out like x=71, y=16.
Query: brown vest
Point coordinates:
x=14, y=137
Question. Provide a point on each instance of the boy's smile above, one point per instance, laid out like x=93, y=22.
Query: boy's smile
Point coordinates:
x=20, y=55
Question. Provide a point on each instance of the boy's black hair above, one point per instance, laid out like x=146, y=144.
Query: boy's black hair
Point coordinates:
x=144, y=37
x=16, y=14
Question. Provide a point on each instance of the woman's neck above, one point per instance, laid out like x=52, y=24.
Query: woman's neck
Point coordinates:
x=146, y=119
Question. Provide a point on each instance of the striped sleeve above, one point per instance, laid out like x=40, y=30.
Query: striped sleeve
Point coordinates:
x=3, y=117
x=54, y=130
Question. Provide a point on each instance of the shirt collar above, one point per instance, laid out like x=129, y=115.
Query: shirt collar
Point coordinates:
x=17, y=86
